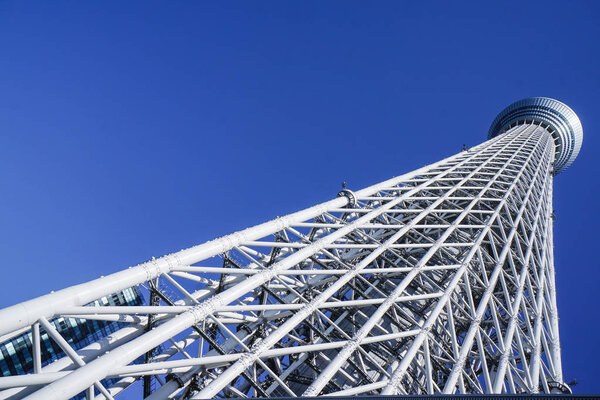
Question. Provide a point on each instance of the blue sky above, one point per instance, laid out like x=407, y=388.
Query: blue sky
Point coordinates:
x=134, y=129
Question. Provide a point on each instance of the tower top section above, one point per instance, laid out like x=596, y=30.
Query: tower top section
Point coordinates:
x=555, y=116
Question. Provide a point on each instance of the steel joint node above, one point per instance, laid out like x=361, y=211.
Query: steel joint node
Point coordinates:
x=352, y=199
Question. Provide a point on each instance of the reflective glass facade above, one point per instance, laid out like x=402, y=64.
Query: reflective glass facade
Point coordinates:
x=16, y=355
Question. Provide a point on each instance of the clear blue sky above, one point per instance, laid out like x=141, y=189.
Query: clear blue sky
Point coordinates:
x=133, y=129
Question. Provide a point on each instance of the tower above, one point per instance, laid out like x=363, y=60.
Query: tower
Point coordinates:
x=437, y=281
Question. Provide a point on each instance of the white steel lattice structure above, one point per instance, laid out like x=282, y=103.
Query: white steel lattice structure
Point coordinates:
x=437, y=281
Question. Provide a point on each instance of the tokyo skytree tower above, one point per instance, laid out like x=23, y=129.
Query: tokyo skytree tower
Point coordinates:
x=441, y=280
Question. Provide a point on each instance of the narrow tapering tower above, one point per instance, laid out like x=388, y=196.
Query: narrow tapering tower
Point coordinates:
x=438, y=281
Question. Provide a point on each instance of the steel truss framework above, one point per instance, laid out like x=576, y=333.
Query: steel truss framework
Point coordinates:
x=437, y=281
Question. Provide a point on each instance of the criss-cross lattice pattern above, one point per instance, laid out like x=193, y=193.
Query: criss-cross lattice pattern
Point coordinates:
x=438, y=281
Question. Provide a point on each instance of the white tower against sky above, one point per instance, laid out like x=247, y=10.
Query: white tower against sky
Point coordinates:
x=441, y=280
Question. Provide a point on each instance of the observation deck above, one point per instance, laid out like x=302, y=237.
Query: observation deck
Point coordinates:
x=558, y=118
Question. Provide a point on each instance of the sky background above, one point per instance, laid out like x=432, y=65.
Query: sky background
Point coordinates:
x=133, y=129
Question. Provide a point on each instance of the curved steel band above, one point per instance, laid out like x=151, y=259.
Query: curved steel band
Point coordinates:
x=558, y=118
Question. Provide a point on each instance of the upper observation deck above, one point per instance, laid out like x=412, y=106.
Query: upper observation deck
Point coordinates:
x=558, y=118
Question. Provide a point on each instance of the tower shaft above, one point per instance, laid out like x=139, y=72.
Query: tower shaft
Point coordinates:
x=438, y=281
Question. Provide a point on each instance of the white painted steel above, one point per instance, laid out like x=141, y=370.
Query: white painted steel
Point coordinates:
x=48, y=306
x=437, y=281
